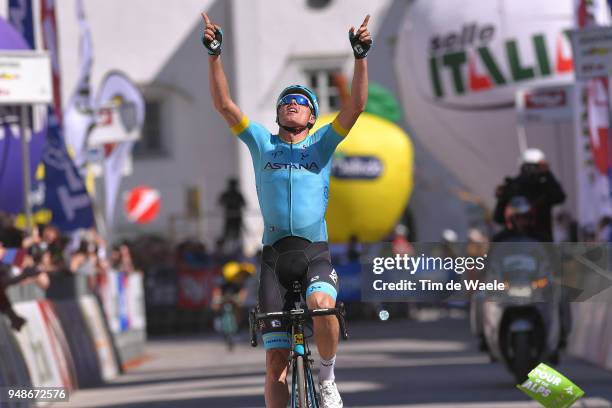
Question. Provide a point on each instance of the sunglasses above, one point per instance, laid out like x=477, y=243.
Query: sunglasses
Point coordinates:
x=299, y=99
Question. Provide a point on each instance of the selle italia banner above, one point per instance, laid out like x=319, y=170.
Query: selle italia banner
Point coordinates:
x=468, y=61
x=479, y=54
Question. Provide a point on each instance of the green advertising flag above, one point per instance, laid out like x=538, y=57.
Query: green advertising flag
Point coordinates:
x=550, y=388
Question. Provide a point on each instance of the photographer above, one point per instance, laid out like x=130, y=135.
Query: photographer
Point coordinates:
x=537, y=183
x=16, y=266
x=53, y=245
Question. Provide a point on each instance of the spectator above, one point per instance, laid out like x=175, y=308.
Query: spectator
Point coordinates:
x=400, y=243
x=354, y=249
x=536, y=183
x=604, y=229
x=565, y=228
x=16, y=266
x=11, y=236
x=121, y=258
x=233, y=204
x=53, y=245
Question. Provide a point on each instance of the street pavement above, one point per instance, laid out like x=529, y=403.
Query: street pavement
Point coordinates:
x=430, y=363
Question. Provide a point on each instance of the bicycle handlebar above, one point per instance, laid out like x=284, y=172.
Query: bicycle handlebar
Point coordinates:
x=295, y=314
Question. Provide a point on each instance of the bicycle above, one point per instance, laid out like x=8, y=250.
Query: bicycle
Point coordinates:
x=229, y=324
x=303, y=394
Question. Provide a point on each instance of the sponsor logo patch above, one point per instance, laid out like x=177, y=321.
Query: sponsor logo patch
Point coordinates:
x=334, y=276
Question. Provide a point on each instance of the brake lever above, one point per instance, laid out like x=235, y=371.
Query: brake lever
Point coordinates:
x=252, y=329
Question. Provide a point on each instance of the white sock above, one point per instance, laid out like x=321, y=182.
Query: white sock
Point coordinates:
x=326, y=369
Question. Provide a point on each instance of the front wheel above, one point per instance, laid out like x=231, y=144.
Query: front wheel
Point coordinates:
x=301, y=383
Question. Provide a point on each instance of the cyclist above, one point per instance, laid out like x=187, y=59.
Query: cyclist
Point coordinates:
x=292, y=171
x=231, y=287
x=229, y=296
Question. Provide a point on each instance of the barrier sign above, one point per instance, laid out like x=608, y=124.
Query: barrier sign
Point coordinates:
x=545, y=104
x=592, y=50
x=25, y=78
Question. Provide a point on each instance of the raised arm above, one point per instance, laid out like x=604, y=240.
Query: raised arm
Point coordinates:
x=219, y=88
x=361, y=42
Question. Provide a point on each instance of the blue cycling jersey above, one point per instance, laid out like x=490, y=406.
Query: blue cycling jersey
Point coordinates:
x=292, y=179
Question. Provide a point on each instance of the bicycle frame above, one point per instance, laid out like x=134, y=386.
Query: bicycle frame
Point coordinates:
x=299, y=345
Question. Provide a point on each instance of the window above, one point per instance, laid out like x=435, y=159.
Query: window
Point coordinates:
x=151, y=143
x=323, y=83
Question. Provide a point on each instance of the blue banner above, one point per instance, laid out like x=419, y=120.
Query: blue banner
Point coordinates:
x=20, y=16
x=65, y=192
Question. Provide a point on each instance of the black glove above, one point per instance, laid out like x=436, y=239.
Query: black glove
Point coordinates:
x=360, y=48
x=214, y=46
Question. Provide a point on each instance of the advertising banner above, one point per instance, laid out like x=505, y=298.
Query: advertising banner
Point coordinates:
x=592, y=49
x=78, y=118
x=11, y=178
x=59, y=344
x=102, y=340
x=592, y=127
x=545, y=104
x=80, y=342
x=195, y=287
x=13, y=369
x=136, y=301
x=36, y=347
x=25, y=78
x=120, y=114
x=65, y=191
x=458, y=70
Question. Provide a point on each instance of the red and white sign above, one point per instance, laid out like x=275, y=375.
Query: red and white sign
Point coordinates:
x=545, y=104
x=142, y=204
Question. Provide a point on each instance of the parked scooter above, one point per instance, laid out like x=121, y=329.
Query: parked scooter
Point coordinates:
x=521, y=324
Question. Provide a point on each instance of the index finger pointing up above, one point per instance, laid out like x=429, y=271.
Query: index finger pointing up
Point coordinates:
x=206, y=19
x=365, y=21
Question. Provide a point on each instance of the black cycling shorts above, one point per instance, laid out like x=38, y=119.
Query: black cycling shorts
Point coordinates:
x=287, y=260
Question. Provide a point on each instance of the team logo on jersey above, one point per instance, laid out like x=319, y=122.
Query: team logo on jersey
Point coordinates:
x=294, y=166
x=334, y=276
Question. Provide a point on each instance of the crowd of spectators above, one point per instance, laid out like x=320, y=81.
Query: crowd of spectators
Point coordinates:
x=45, y=254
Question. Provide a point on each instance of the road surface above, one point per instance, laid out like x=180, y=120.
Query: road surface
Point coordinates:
x=392, y=364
